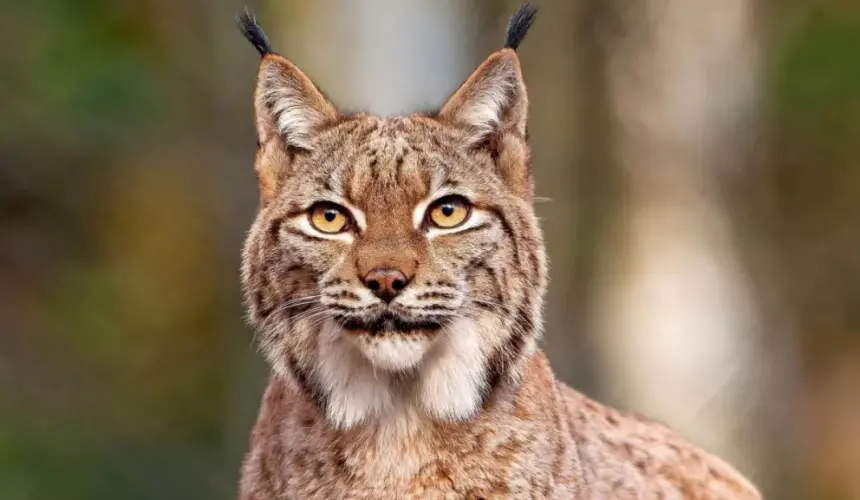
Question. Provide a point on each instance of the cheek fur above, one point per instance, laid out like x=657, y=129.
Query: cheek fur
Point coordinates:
x=321, y=255
x=464, y=250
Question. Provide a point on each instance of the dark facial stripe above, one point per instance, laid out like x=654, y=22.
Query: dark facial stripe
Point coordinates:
x=508, y=230
x=498, y=285
x=342, y=294
x=536, y=266
x=398, y=168
x=505, y=291
x=275, y=231
x=264, y=307
x=305, y=380
x=505, y=356
x=333, y=282
x=348, y=309
x=434, y=307
x=263, y=311
x=436, y=295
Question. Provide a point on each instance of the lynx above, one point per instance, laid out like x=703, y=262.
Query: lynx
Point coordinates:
x=395, y=275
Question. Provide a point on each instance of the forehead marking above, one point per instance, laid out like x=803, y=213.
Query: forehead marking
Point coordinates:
x=434, y=193
x=385, y=165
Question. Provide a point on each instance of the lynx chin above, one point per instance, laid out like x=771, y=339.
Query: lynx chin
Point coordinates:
x=395, y=275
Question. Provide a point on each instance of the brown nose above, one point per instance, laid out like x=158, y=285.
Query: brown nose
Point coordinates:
x=385, y=283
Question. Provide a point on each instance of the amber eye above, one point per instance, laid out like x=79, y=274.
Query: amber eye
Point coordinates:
x=449, y=212
x=328, y=217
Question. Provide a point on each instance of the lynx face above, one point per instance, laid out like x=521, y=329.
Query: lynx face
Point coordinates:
x=395, y=262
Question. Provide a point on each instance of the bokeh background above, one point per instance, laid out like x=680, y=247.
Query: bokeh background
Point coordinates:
x=698, y=165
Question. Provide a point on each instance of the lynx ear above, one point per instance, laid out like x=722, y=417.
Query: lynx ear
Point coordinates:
x=493, y=100
x=287, y=103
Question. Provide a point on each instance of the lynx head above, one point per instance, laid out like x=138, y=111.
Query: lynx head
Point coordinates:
x=395, y=262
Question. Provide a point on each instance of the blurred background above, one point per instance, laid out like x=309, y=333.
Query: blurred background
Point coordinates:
x=699, y=169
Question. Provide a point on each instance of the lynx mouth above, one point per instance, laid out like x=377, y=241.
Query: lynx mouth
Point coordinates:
x=387, y=323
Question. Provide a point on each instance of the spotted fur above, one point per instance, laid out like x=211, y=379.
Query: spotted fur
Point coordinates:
x=441, y=393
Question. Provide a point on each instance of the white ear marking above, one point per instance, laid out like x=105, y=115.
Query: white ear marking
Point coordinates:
x=295, y=120
x=483, y=112
x=492, y=99
x=288, y=103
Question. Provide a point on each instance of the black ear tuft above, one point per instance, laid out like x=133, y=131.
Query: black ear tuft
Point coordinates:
x=253, y=32
x=519, y=25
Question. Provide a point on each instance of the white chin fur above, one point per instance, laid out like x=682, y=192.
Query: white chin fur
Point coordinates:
x=396, y=378
x=393, y=353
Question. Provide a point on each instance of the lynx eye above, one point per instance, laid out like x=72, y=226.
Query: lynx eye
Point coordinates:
x=449, y=212
x=328, y=218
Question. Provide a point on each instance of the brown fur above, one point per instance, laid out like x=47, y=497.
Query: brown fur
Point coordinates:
x=543, y=440
x=454, y=400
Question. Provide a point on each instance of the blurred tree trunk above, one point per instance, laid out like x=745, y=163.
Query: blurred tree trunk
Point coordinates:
x=677, y=326
x=567, y=127
x=384, y=56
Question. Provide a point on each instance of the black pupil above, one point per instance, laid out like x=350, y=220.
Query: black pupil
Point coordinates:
x=448, y=210
x=330, y=215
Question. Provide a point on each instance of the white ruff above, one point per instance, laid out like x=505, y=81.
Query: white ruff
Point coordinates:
x=443, y=382
x=356, y=392
x=393, y=354
x=453, y=375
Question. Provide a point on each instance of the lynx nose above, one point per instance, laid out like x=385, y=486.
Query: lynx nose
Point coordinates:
x=385, y=283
